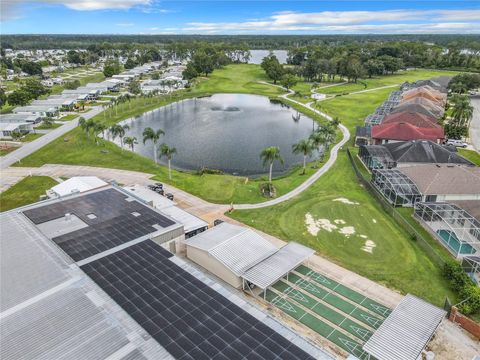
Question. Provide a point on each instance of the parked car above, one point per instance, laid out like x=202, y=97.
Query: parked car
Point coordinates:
x=217, y=222
x=457, y=143
x=169, y=196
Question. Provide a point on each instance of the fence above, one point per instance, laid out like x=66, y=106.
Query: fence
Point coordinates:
x=399, y=218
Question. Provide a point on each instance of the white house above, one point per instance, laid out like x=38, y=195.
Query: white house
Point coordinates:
x=6, y=129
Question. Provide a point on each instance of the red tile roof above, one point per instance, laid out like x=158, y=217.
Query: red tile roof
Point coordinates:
x=405, y=132
x=413, y=118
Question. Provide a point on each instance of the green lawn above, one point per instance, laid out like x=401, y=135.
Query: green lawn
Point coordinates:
x=30, y=137
x=48, y=127
x=395, y=260
x=395, y=79
x=75, y=148
x=4, y=152
x=471, y=155
x=68, y=117
x=352, y=109
x=25, y=192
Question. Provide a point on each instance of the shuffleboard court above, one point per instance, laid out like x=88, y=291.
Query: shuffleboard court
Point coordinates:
x=324, y=311
x=345, y=291
x=316, y=324
x=336, y=301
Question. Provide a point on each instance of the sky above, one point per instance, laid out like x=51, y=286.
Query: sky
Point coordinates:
x=238, y=17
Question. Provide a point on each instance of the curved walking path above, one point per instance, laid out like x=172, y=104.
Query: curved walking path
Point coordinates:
x=11, y=175
x=309, y=182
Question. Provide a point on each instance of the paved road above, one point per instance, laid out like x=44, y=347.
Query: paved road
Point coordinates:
x=475, y=123
x=31, y=147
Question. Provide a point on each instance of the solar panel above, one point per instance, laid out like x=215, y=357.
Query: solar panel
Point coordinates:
x=116, y=221
x=186, y=316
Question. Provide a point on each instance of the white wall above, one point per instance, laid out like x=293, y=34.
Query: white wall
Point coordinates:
x=211, y=264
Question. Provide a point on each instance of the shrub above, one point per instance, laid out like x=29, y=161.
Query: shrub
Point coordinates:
x=468, y=292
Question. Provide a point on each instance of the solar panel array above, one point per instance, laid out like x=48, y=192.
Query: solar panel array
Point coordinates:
x=116, y=221
x=187, y=317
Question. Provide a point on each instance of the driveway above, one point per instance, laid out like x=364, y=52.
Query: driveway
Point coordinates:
x=475, y=123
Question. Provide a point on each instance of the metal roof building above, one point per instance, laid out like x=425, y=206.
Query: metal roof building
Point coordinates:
x=113, y=293
x=235, y=254
x=51, y=310
x=406, y=331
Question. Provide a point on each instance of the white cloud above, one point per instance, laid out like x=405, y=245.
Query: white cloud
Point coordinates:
x=88, y=5
x=10, y=9
x=391, y=21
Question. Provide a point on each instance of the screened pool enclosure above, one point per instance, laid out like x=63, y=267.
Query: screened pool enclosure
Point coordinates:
x=396, y=187
x=455, y=228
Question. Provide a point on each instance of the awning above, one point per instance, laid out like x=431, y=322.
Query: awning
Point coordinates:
x=273, y=268
x=406, y=331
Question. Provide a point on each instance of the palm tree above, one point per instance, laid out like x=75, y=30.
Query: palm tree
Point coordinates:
x=305, y=147
x=130, y=141
x=318, y=140
x=115, y=131
x=89, y=125
x=83, y=123
x=151, y=135
x=268, y=156
x=168, y=152
x=99, y=127
x=462, y=111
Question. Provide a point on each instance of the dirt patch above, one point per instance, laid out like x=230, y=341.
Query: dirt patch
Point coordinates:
x=369, y=246
x=346, y=201
x=314, y=226
x=452, y=342
x=347, y=231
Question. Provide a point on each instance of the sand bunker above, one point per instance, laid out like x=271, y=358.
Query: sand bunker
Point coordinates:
x=369, y=246
x=363, y=236
x=346, y=201
x=347, y=231
x=339, y=221
x=374, y=221
x=314, y=226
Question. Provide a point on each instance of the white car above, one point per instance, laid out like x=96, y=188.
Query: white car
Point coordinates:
x=457, y=143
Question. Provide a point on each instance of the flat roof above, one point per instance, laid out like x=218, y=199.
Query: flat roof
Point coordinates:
x=190, y=222
x=111, y=218
x=46, y=299
x=186, y=316
x=406, y=331
x=78, y=184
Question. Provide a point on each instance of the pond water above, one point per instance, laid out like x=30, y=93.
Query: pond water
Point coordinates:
x=224, y=132
x=258, y=55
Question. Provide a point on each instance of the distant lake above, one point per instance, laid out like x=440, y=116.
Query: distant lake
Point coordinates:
x=224, y=132
x=258, y=55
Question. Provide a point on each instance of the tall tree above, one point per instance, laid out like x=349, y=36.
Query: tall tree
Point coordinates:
x=151, y=135
x=130, y=141
x=269, y=155
x=168, y=152
x=304, y=147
